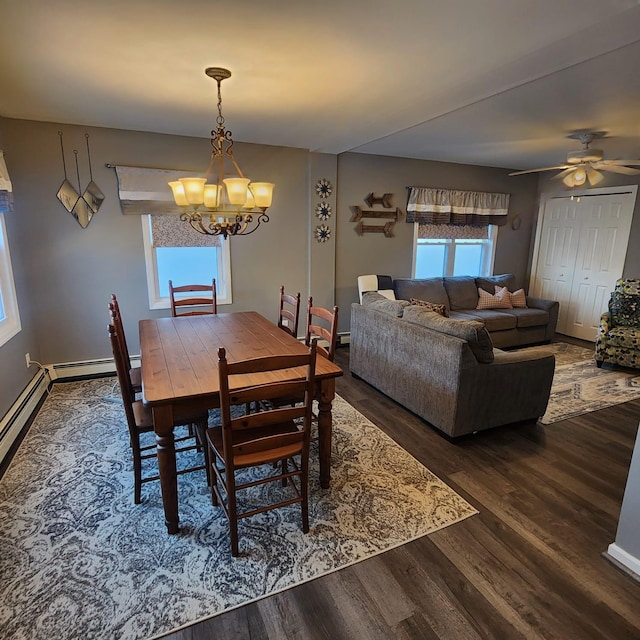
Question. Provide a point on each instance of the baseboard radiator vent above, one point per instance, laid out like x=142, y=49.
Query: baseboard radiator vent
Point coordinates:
x=22, y=410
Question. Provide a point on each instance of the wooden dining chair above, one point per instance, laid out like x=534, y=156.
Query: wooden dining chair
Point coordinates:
x=203, y=303
x=264, y=437
x=323, y=325
x=135, y=373
x=140, y=420
x=288, y=314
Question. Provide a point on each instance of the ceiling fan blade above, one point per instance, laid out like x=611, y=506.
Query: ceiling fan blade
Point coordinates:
x=627, y=171
x=620, y=162
x=519, y=173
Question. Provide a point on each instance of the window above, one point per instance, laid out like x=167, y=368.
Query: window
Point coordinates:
x=174, y=251
x=437, y=257
x=9, y=316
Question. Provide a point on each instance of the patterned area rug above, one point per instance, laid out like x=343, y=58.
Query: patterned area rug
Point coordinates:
x=579, y=387
x=80, y=560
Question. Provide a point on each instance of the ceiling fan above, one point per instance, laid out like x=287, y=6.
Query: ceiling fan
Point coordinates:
x=586, y=164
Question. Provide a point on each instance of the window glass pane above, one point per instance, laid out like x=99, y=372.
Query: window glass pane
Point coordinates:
x=430, y=260
x=467, y=260
x=185, y=265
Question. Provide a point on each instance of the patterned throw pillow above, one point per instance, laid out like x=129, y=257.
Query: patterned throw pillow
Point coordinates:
x=431, y=306
x=500, y=300
x=517, y=298
x=625, y=309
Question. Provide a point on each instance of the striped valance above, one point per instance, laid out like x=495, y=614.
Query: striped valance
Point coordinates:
x=446, y=206
x=6, y=196
x=144, y=190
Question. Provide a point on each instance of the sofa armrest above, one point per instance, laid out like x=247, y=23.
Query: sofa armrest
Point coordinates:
x=552, y=307
x=522, y=355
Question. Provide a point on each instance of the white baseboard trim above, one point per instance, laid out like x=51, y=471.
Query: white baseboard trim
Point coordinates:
x=626, y=559
x=18, y=415
x=98, y=366
x=16, y=418
x=344, y=338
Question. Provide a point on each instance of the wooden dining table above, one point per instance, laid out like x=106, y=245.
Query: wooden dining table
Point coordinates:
x=180, y=374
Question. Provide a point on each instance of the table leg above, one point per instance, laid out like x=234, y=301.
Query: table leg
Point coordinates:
x=325, y=398
x=163, y=426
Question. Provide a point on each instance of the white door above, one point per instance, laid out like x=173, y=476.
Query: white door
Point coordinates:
x=580, y=254
x=602, y=248
x=557, y=255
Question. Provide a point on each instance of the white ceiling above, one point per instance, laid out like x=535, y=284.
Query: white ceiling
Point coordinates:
x=490, y=82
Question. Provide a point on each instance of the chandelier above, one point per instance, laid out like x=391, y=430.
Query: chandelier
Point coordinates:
x=216, y=205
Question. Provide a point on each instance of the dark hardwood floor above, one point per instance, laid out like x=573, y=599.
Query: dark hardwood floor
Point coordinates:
x=530, y=565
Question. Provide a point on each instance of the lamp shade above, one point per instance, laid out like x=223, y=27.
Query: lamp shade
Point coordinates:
x=211, y=200
x=194, y=189
x=262, y=193
x=178, y=193
x=579, y=176
x=237, y=190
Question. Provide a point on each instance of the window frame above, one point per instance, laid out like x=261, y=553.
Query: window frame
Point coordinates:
x=156, y=301
x=488, y=256
x=10, y=325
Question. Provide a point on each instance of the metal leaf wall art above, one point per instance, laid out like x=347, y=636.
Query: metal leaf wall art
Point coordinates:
x=82, y=207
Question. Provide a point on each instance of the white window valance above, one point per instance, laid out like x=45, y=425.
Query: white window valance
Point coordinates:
x=447, y=206
x=6, y=196
x=145, y=190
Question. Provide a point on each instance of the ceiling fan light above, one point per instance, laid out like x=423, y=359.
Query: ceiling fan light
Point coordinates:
x=594, y=177
x=579, y=176
x=568, y=180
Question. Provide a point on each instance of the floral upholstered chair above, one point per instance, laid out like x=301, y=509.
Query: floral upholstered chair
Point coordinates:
x=618, y=338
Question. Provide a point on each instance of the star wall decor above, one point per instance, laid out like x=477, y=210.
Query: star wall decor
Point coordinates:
x=324, y=188
x=323, y=211
x=322, y=233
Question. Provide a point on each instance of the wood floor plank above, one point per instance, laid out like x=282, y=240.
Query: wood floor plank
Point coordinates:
x=528, y=566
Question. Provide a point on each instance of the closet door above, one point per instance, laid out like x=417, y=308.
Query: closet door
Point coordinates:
x=605, y=222
x=580, y=252
x=557, y=254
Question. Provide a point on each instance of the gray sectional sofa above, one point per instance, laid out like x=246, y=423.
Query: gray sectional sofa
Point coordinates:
x=507, y=327
x=445, y=369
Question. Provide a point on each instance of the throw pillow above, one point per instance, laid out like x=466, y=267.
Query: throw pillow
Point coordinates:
x=431, y=306
x=625, y=309
x=500, y=300
x=518, y=298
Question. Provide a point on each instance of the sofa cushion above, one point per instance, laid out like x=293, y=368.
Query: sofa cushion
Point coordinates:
x=625, y=309
x=624, y=337
x=438, y=308
x=375, y=300
x=493, y=319
x=504, y=280
x=472, y=331
x=530, y=317
x=499, y=300
x=518, y=298
x=429, y=289
x=462, y=292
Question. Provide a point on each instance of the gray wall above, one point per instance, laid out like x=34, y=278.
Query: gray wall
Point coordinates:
x=64, y=274
x=361, y=174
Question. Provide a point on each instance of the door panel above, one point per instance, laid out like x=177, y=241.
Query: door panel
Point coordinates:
x=582, y=249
